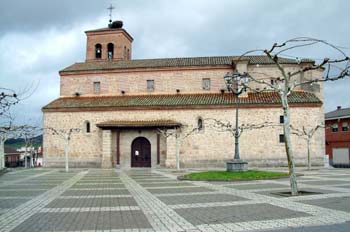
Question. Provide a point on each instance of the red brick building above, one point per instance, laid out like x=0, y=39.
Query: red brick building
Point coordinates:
x=338, y=137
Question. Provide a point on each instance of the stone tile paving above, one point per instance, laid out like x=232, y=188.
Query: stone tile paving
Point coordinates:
x=239, y=213
x=203, y=198
x=147, y=200
x=179, y=190
x=343, y=227
x=92, y=202
x=337, y=203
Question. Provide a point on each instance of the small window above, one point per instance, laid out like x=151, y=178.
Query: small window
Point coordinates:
x=110, y=50
x=125, y=53
x=335, y=127
x=206, y=83
x=345, y=126
x=87, y=127
x=272, y=82
x=98, y=51
x=128, y=54
x=200, y=124
x=150, y=84
x=281, y=119
x=97, y=87
x=281, y=138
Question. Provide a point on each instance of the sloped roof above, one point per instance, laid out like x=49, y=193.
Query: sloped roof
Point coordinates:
x=175, y=100
x=131, y=124
x=11, y=150
x=171, y=62
x=339, y=113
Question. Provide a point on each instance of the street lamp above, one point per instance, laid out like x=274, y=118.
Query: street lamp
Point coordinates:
x=235, y=83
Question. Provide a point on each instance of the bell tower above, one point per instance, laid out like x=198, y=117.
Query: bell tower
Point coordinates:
x=109, y=44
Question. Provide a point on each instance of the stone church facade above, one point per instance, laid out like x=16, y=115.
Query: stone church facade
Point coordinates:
x=128, y=111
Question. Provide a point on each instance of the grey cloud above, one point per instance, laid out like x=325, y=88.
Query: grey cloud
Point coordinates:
x=161, y=28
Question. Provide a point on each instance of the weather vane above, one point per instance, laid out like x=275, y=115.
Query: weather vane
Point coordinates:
x=110, y=8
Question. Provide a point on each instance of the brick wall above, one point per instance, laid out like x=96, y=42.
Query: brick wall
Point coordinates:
x=336, y=139
x=118, y=37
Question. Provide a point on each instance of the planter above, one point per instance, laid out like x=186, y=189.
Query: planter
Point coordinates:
x=236, y=166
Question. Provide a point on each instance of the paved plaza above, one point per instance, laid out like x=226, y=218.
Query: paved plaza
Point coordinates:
x=154, y=200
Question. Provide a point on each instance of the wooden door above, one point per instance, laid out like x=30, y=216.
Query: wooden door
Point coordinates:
x=141, y=152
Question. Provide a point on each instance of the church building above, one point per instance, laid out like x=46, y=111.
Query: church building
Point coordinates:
x=128, y=113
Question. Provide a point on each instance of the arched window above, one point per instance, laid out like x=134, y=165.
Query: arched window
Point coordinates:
x=87, y=127
x=125, y=55
x=110, y=50
x=200, y=124
x=128, y=54
x=98, y=51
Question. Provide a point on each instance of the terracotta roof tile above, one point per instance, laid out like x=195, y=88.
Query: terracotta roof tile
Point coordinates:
x=171, y=62
x=128, y=124
x=176, y=100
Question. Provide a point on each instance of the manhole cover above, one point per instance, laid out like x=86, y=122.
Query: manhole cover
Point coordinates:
x=301, y=193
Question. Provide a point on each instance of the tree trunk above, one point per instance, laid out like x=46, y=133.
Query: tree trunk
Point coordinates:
x=2, y=153
x=177, y=151
x=309, y=153
x=66, y=149
x=288, y=145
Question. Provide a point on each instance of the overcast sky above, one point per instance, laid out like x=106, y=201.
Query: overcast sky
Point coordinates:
x=40, y=37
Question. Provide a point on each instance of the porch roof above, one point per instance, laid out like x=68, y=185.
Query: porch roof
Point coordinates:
x=139, y=124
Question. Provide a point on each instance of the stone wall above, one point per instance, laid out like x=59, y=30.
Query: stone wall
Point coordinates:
x=206, y=148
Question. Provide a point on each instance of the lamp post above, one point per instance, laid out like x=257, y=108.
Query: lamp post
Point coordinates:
x=235, y=82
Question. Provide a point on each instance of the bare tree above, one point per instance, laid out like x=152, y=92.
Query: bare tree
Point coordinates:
x=288, y=81
x=66, y=135
x=226, y=126
x=180, y=135
x=307, y=134
x=28, y=133
x=8, y=98
x=8, y=130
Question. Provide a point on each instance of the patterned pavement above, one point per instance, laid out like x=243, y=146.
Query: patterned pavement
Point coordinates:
x=141, y=200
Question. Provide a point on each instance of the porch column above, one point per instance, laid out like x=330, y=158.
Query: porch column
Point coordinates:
x=106, y=149
x=170, y=161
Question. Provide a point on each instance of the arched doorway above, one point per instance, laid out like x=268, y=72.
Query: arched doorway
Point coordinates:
x=141, y=152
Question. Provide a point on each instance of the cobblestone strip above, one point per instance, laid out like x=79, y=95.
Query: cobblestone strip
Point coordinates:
x=14, y=197
x=26, y=178
x=112, y=230
x=97, y=184
x=23, y=190
x=89, y=209
x=214, y=204
x=16, y=216
x=159, y=215
x=320, y=216
x=92, y=189
x=169, y=187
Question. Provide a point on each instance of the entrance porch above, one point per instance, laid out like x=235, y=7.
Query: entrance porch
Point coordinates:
x=128, y=144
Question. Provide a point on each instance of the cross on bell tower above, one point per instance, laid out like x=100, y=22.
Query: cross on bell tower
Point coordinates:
x=110, y=8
